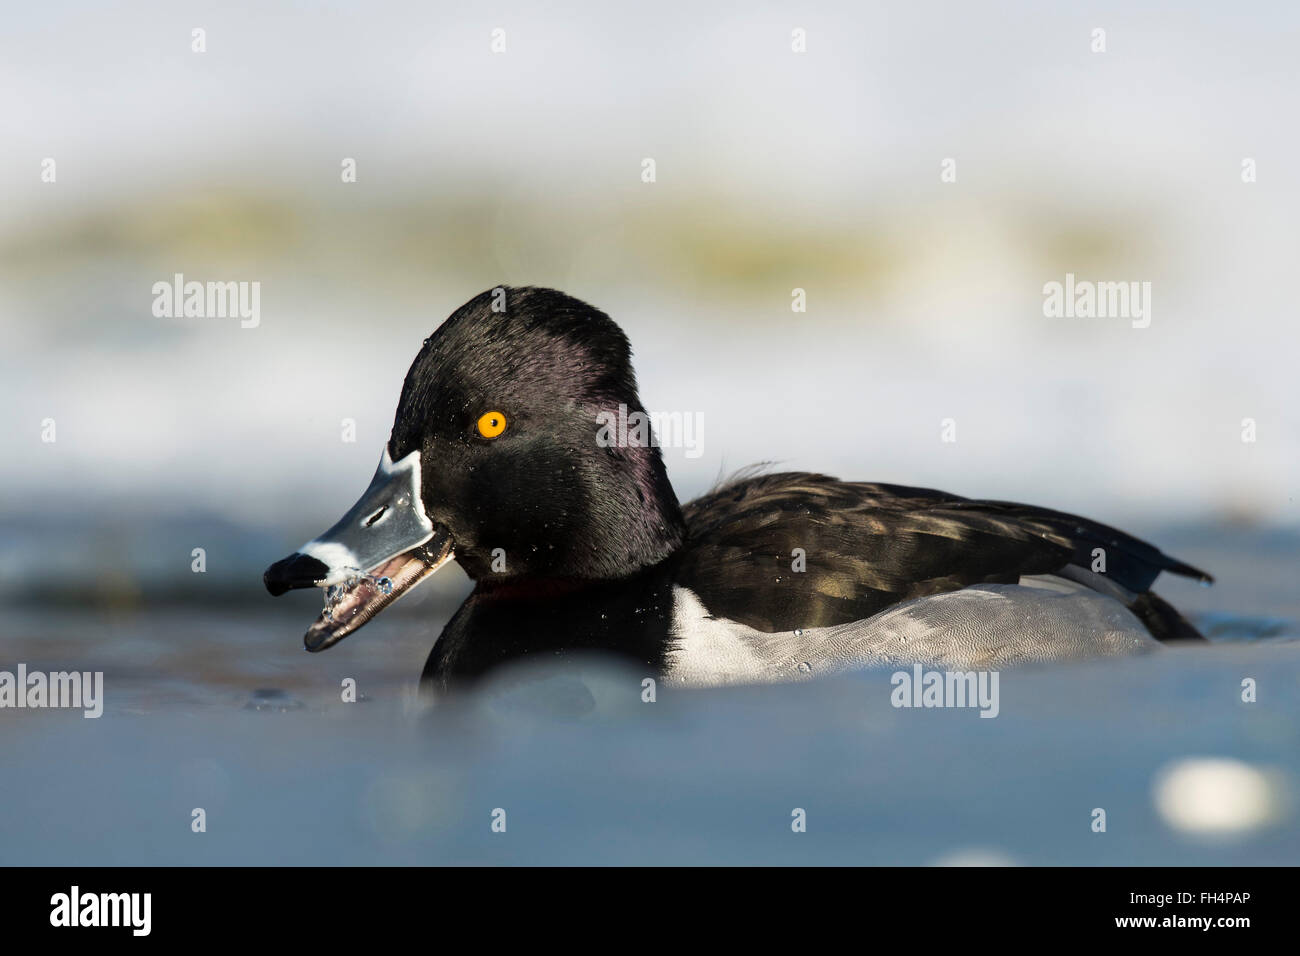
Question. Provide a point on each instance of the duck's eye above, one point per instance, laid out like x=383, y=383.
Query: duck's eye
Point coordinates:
x=492, y=424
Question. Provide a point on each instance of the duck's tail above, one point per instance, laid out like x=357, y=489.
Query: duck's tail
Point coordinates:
x=1162, y=620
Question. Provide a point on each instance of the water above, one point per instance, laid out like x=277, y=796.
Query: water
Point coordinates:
x=215, y=705
x=588, y=773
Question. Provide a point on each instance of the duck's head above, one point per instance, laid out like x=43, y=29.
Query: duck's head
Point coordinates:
x=496, y=459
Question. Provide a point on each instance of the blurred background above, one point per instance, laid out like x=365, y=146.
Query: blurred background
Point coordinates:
x=774, y=171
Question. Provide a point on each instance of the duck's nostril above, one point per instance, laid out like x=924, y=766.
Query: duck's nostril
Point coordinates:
x=298, y=570
x=374, y=517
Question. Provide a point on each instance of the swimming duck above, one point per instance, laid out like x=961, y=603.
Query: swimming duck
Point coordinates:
x=576, y=544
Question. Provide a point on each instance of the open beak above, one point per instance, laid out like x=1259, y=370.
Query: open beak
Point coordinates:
x=383, y=547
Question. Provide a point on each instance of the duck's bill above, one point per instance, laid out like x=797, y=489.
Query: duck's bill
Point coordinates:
x=382, y=548
x=357, y=601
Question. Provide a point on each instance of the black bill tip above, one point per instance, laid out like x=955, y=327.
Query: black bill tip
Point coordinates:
x=298, y=570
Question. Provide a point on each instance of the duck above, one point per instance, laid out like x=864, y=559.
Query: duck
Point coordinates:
x=577, y=545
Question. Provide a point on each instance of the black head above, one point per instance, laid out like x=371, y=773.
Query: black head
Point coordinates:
x=496, y=455
x=543, y=495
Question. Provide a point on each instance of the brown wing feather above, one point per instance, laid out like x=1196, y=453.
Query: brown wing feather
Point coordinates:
x=868, y=546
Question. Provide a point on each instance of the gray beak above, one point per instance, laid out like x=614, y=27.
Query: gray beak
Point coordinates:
x=379, y=550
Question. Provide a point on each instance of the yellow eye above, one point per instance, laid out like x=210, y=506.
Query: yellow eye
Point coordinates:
x=492, y=424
